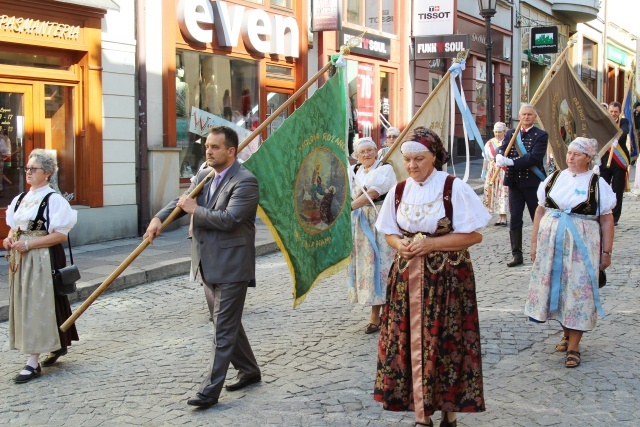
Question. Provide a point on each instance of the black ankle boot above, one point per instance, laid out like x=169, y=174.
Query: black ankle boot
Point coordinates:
x=516, y=248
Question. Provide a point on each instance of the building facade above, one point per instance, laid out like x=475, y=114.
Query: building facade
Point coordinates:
x=67, y=75
x=212, y=63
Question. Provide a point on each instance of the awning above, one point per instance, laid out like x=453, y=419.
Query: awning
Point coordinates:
x=97, y=4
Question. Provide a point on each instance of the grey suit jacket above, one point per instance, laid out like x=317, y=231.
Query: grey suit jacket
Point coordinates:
x=224, y=230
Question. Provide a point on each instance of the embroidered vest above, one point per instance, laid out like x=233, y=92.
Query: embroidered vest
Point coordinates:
x=588, y=207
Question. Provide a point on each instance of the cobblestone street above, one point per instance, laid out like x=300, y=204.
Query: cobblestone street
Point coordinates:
x=144, y=350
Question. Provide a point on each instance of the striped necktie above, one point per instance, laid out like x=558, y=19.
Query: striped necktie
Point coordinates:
x=214, y=185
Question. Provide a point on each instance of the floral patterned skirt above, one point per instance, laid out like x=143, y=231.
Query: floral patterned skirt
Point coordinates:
x=496, y=195
x=429, y=355
x=577, y=301
x=365, y=286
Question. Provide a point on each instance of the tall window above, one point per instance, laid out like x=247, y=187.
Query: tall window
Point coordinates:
x=212, y=90
x=378, y=15
x=589, y=67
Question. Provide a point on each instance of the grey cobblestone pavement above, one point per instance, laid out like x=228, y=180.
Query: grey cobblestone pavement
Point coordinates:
x=144, y=350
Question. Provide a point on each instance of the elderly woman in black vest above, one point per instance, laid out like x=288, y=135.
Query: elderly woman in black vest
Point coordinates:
x=40, y=220
x=572, y=239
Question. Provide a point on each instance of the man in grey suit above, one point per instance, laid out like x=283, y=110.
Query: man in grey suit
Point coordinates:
x=223, y=250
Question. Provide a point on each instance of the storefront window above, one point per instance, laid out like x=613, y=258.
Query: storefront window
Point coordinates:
x=378, y=14
x=385, y=105
x=281, y=3
x=589, y=65
x=59, y=135
x=354, y=15
x=212, y=90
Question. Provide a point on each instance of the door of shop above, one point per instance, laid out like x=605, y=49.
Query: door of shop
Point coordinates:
x=16, y=140
x=275, y=98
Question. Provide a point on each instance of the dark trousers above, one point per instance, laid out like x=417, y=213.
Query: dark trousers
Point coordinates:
x=616, y=177
x=518, y=198
x=230, y=343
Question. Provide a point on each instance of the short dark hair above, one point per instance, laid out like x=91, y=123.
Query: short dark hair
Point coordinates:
x=230, y=136
x=616, y=104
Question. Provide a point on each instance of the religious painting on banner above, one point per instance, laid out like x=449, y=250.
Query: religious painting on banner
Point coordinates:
x=304, y=188
x=567, y=109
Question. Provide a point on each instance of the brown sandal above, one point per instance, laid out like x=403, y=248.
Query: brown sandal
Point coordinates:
x=563, y=345
x=372, y=328
x=572, y=360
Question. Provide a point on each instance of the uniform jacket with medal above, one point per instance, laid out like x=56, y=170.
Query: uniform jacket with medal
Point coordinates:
x=224, y=230
x=535, y=141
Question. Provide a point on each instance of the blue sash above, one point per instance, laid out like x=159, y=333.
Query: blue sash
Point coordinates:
x=566, y=223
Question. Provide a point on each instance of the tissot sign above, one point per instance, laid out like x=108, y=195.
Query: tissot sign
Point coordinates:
x=261, y=32
x=433, y=17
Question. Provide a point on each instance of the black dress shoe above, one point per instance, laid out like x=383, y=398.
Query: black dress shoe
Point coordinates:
x=242, y=383
x=50, y=360
x=515, y=261
x=33, y=373
x=202, y=401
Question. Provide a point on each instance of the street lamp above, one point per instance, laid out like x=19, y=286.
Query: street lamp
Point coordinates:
x=487, y=10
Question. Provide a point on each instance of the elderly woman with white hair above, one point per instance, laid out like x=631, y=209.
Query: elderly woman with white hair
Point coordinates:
x=371, y=256
x=496, y=194
x=392, y=134
x=40, y=220
x=572, y=240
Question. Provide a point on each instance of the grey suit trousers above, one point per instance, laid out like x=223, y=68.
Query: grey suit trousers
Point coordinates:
x=230, y=343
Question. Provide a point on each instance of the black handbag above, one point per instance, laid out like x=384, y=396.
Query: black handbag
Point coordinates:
x=602, y=280
x=602, y=277
x=64, y=279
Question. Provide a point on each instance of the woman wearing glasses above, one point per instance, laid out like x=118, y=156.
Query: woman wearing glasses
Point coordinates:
x=392, y=135
x=40, y=220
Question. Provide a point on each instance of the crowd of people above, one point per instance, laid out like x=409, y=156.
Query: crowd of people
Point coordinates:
x=410, y=261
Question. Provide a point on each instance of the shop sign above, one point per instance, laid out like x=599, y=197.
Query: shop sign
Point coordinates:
x=501, y=44
x=35, y=27
x=325, y=15
x=544, y=40
x=262, y=32
x=432, y=47
x=433, y=17
x=366, y=111
x=616, y=55
x=370, y=45
x=540, y=59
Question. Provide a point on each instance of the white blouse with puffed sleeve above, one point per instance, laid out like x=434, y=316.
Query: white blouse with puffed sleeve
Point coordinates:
x=422, y=207
x=379, y=177
x=61, y=217
x=571, y=189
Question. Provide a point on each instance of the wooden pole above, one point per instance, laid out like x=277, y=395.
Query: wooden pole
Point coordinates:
x=536, y=97
x=113, y=276
x=399, y=140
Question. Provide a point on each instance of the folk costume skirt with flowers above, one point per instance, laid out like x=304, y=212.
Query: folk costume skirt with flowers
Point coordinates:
x=429, y=355
x=369, y=266
x=496, y=195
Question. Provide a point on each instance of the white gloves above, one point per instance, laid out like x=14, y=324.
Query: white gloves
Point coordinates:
x=615, y=143
x=596, y=170
x=503, y=161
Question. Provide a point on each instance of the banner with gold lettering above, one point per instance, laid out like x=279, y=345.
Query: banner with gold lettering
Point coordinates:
x=566, y=110
x=304, y=188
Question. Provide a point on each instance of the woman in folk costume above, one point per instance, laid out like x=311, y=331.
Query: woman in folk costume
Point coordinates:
x=572, y=239
x=429, y=354
x=392, y=134
x=371, y=256
x=496, y=195
x=40, y=220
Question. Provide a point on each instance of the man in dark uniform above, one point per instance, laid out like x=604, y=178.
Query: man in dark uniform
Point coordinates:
x=524, y=173
x=616, y=174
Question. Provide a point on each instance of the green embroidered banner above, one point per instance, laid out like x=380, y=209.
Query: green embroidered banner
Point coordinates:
x=304, y=188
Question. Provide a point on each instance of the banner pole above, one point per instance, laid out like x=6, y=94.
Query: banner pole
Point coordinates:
x=113, y=276
x=461, y=57
x=624, y=102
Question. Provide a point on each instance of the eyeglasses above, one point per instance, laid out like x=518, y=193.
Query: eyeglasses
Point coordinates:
x=392, y=137
x=31, y=170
